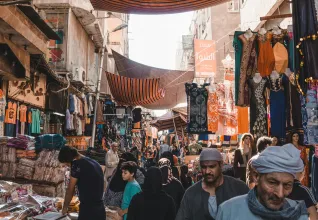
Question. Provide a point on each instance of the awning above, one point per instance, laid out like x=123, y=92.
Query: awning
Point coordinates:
x=170, y=120
x=39, y=22
x=171, y=80
x=130, y=91
x=153, y=6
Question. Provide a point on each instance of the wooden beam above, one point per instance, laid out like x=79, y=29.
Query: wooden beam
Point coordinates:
x=275, y=17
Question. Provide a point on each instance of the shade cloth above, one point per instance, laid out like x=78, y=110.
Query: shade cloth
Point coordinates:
x=170, y=120
x=130, y=91
x=153, y=6
x=171, y=80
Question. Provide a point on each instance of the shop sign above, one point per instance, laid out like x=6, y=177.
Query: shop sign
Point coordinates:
x=205, y=58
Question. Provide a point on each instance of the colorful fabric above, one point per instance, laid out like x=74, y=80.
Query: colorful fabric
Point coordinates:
x=131, y=91
x=213, y=116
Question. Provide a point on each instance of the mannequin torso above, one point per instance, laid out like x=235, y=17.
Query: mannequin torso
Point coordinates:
x=257, y=78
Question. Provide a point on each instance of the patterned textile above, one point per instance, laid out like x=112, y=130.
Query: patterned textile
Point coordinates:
x=213, y=116
x=258, y=112
x=248, y=68
x=197, y=108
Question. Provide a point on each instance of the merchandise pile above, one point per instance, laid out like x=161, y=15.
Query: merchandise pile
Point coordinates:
x=25, y=169
x=73, y=207
x=8, y=159
x=18, y=202
x=50, y=142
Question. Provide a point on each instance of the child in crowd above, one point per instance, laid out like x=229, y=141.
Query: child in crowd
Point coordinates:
x=129, y=170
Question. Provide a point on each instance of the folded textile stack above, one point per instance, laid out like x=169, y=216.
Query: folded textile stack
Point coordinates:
x=25, y=169
x=48, y=168
x=7, y=154
x=8, y=169
x=97, y=154
x=29, y=154
x=21, y=142
x=50, y=141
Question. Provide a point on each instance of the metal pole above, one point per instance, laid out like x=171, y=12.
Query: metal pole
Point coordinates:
x=99, y=73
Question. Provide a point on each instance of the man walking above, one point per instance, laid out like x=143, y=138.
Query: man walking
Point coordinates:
x=111, y=161
x=276, y=169
x=201, y=200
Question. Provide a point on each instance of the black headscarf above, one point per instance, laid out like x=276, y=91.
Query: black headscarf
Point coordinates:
x=153, y=182
x=117, y=184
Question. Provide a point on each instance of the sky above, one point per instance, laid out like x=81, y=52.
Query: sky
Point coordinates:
x=154, y=38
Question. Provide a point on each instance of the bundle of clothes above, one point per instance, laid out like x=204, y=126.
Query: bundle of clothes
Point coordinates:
x=8, y=159
x=48, y=168
x=21, y=142
x=97, y=154
x=25, y=169
x=50, y=141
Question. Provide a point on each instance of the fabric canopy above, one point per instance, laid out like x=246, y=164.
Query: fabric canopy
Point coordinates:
x=170, y=120
x=153, y=6
x=171, y=80
x=129, y=91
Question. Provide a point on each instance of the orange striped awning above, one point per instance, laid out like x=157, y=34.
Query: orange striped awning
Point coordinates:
x=153, y=6
x=131, y=91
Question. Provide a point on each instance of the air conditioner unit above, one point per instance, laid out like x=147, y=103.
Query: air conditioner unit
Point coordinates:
x=233, y=6
x=79, y=74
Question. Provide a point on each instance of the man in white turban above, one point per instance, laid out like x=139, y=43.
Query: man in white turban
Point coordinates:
x=276, y=169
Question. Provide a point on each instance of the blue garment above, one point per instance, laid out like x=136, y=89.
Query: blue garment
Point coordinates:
x=277, y=107
x=304, y=118
x=291, y=52
x=9, y=130
x=203, y=137
x=314, y=178
x=71, y=103
x=131, y=189
x=237, y=208
x=213, y=206
x=50, y=141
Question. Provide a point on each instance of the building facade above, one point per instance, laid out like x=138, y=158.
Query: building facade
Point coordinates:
x=216, y=23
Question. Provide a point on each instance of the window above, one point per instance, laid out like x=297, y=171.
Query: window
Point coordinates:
x=234, y=5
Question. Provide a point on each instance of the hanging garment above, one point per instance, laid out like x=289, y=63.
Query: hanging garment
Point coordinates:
x=213, y=116
x=293, y=110
x=75, y=104
x=79, y=128
x=23, y=113
x=35, y=129
x=71, y=103
x=89, y=99
x=68, y=120
x=238, y=46
x=314, y=178
x=258, y=108
x=3, y=104
x=136, y=115
x=311, y=134
x=304, y=117
x=120, y=112
x=281, y=57
x=242, y=119
x=266, y=59
x=99, y=113
x=22, y=128
x=277, y=106
x=9, y=130
x=197, y=108
x=305, y=24
x=304, y=157
x=291, y=52
x=248, y=68
x=11, y=113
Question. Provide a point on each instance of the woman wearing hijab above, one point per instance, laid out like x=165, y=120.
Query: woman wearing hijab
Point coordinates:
x=171, y=185
x=115, y=191
x=174, y=169
x=153, y=203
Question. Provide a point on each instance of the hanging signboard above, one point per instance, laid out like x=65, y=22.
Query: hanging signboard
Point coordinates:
x=205, y=58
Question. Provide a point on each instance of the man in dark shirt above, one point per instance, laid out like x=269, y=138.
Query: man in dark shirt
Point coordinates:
x=301, y=192
x=201, y=200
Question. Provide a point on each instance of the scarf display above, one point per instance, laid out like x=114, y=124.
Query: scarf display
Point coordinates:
x=288, y=212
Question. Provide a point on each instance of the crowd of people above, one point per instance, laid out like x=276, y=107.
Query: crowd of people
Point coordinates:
x=266, y=183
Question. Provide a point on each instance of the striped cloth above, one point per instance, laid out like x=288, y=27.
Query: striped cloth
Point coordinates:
x=153, y=6
x=131, y=91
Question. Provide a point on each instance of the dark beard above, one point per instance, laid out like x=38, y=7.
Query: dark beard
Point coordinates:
x=213, y=183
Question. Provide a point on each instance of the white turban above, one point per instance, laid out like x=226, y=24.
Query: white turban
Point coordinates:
x=285, y=159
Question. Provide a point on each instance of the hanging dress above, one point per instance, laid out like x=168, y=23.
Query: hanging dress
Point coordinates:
x=258, y=110
x=266, y=60
x=213, y=116
x=248, y=68
x=277, y=106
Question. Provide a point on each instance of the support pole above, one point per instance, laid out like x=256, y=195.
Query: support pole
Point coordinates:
x=99, y=72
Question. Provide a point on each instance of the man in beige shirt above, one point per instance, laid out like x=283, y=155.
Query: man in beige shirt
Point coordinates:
x=111, y=160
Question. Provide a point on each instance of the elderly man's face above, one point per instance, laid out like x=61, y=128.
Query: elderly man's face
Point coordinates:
x=211, y=171
x=115, y=147
x=273, y=188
